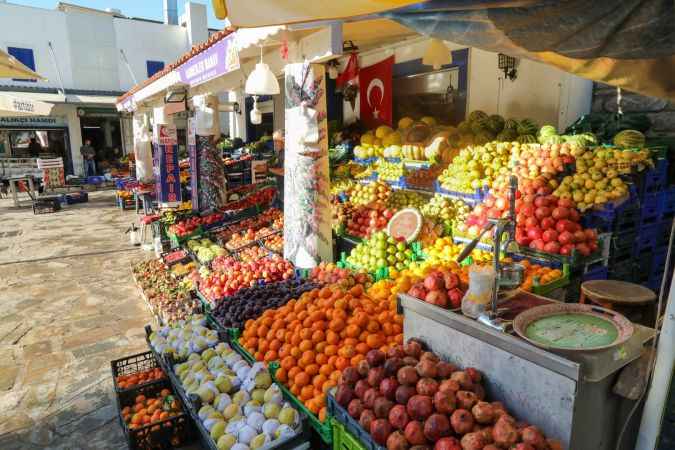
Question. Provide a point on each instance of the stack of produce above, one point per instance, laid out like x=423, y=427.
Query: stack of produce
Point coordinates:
x=318, y=336
x=261, y=197
x=188, y=226
x=370, y=193
x=183, y=337
x=250, y=303
x=381, y=251
x=444, y=251
x=423, y=178
x=275, y=243
x=389, y=171
x=230, y=275
x=494, y=206
x=252, y=253
x=551, y=224
x=205, y=249
x=477, y=167
x=241, y=407
x=134, y=379
x=541, y=275
x=329, y=273
x=405, y=199
x=271, y=215
x=364, y=221
x=164, y=293
x=480, y=128
x=242, y=239
x=409, y=397
x=441, y=287
x=532, y=161
x=596, y=178
x=149, y=410
x=445, y=210
x=173, y=256
x=341, y=186
x=180, y=270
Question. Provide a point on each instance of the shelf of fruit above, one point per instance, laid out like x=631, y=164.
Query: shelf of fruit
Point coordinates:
x=234, y=403
x=260, y=197
x=166, y=298
x=407, y=396
x=381, y=251
x=252, y=253
x=188, y=226
x=229, y=276
x=271, y=216
x=319, y=335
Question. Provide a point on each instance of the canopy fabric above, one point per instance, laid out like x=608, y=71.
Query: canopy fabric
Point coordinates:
x=22, y=106
x=258, y=13
x=10, y=67
x=630, y=44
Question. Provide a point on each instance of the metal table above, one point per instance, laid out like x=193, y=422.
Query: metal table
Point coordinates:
x=32, y=193
x=568, y=396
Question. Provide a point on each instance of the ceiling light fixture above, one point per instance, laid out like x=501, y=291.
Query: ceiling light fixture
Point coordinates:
x=262, y=80
x=437, y=54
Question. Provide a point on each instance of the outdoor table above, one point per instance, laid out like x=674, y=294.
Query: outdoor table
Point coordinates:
x=13, y=188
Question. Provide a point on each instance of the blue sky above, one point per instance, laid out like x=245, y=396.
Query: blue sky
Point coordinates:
x=147, y=9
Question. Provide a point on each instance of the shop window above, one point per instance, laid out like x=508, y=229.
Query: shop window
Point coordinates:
x=25, y=57
x=154, y=67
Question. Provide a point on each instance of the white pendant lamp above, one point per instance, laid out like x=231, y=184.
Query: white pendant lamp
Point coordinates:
x=262, y=80
x=437, y=54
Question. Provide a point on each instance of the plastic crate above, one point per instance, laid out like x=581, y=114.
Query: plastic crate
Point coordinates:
x=667, y=203
x=170, y=433
x=473, y=198
x=322, y=428
x=622, y=247
x=133, y=364
x=596, y=273
x=654, y=180
x=650, y=212
x=663, y=233
x=646, y=240
x=624, y=271
x=341, y=416
x=177, y=241
x=239, y=348
x=545, y=289
x=343, y=439
x=46, y=205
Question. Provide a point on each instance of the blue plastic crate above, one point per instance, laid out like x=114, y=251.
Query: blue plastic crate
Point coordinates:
x=650, y=211
x=597, y=273
x=667, y=203
x=647, y=238
x=654, y=180
x=95, y=180
x=473, y=198
x=658, y=263
x=663, y=234
x=364, y=161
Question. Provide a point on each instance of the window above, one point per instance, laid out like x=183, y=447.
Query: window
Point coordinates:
x=154, y=67
x=25, y=57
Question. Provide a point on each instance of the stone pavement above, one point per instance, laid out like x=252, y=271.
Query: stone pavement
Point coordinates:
x=68, y=306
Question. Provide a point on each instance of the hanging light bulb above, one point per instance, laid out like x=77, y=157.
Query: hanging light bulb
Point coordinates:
x=437, y=54
x=256, y=115
x=262, y=80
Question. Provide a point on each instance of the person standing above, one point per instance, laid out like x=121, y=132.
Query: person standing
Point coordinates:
x=34, y=148
x=88, y=156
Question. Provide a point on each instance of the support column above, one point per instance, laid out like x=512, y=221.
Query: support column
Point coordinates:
x=107, y=133
x=142, y=148
x=238, y=120
x=75, y=136
x=211, y=186
x=307, y=215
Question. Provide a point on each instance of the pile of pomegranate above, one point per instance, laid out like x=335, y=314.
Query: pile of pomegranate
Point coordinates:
x=409, y=399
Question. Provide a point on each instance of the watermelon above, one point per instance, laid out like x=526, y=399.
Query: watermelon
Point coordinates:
x=507, y=135
x=406, y=223
x=495, y=123
x=483, y=137
x=527, y=139
x=629, y=139
x=547, y=130
x=464, y=127
x=478, y=126
x=477, y=115
x=550, y=140
x=510, y=124
x=527, y=126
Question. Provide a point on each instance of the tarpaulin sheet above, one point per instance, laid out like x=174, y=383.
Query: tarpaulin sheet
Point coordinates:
x=625, y=43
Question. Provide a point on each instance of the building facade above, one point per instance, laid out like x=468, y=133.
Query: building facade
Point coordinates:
x=88, y=58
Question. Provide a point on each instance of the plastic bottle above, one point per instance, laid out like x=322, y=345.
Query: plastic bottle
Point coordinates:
x=479, y=295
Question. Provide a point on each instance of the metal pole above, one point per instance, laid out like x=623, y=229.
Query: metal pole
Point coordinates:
x=126, y=62
x=58, y=71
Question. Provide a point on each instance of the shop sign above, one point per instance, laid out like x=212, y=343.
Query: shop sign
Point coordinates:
x=217, y=60
x=33, y=122
x=194, y=163
x=166, y=168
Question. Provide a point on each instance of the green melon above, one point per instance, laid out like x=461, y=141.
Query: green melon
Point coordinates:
x=495, y=123
x=479, y=126
x=550, y=140
x=629, y=139
x=527, y=139
x=464, y=127
x=527, y=126
x=483, y=137
x=507, y=135
x=477, y=115
x=510, y=124
x=547, y=130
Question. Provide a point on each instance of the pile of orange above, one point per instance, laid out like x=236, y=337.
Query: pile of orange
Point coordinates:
x=540, y=274
x=134, y=379
x=148, y=410
x=314, y=338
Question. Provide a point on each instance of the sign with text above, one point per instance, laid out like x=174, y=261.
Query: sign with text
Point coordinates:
x=167, y=171
x=194, y=162
x=33, y=122
x=217, y=60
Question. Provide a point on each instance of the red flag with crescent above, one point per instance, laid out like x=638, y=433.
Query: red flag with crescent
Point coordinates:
x=375, y=93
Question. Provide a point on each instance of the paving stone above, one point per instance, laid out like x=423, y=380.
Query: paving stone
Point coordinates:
x=8, y=377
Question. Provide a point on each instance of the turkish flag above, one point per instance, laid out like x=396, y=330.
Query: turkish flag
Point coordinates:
x=375, y=93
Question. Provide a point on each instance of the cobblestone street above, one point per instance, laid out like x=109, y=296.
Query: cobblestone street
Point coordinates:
x=69, y=306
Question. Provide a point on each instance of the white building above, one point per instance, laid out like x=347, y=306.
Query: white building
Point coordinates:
x=89, y=57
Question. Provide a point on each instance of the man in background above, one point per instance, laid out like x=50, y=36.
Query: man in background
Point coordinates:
x=88, y=156
x=34, y=148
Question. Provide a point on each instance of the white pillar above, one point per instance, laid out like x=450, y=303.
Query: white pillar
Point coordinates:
x=75, y=136
x=142, y=147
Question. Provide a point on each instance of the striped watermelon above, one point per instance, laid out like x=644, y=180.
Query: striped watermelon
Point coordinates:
x=629, y=139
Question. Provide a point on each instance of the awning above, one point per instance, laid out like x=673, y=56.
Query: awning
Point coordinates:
x=10, y=67
x=92, y=99
x=258, y=13
x=21, y=106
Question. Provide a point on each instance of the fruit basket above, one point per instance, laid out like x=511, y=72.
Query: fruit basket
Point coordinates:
x=174, y=430
x=135, y=371
x=340, y=416
x=343, y=439
x=322, y=428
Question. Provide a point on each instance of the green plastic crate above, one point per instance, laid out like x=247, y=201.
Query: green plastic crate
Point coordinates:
x=342, y=439
x=324, y=429
x=546, y=289
x=177, y=241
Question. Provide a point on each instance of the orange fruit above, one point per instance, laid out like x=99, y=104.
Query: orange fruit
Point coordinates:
x=305, y=345
x=295, y=390
x=331, y=350
x=322, y=414
x=288, y=362
x=326, y=369
x=306, y=358
x=312, y=369
x=306, y=333
x=341, y=363
x=347, y=351
x=306, y=393
x=319, y=325
x=262, y=331
x=375, y=340
x=301, y=379
x=353, y=331
x=292, y=372
x=319, y=380
x=321, y=358
x=328, y=384
x=356, y=359
x=270, y=355
x=318, y=336
x=362, y=348
x=332, y=337
x=275, y=345
x=320, y=347
x=282, y=375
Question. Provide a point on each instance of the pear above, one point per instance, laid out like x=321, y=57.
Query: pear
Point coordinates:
x=271, y=410
x=270, y=426
x=223, y=384
x=283, y=431
x=231, y=410
x=226, y=441
x=259, y=441
x=252, y=406
x=204, y=412
x=217, y=430
x=241, y=397
x=208, y=354
x=246, y=434
x=288, y=416
x=205, y=394
x=258, y=395
x=263, y=380
x=273, y=395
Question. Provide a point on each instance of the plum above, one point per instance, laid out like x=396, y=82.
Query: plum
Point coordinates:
x=412, y=348
x=388, y=388
x=466, y=399
x=360, y=388
x=427, y=386
x=375, y=358
x=355, y=408
x=445, y=402
x=392, y=365
x=504, y=432
x=343, y=395
x=483, y=412
x=350, y=376
x=375, y=376
x=403, y=394
x=381, y=407
x=473, y=441
x=427, y=369
x=367, y=416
